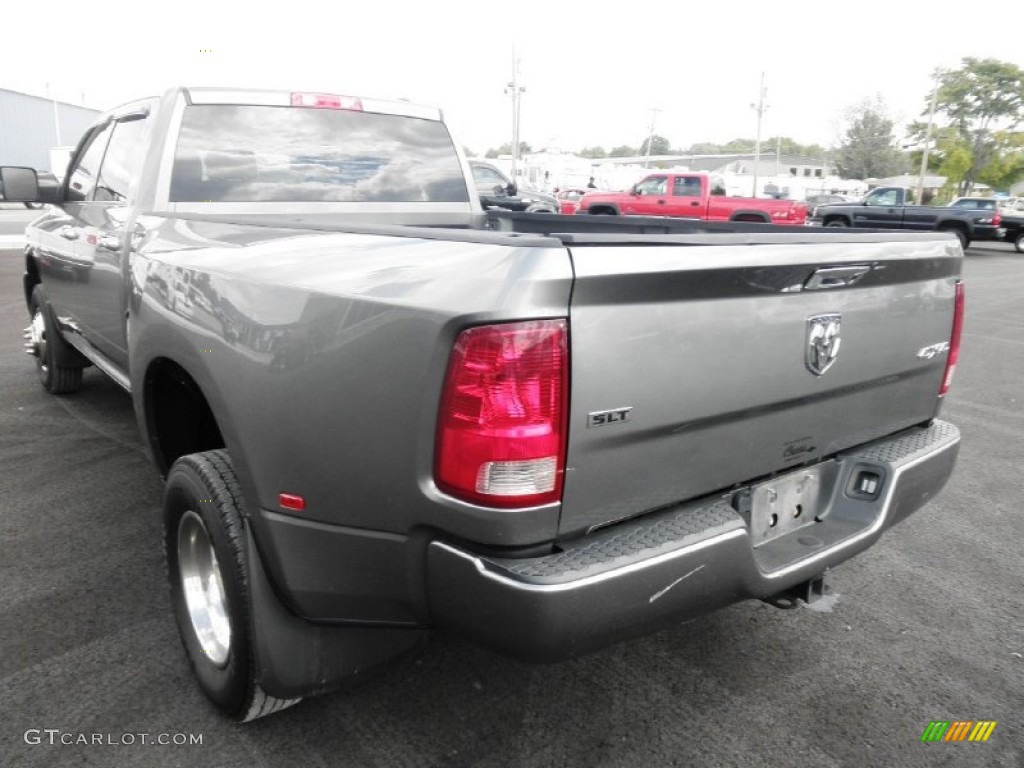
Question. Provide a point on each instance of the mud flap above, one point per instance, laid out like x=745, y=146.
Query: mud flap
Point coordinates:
x=295, y=658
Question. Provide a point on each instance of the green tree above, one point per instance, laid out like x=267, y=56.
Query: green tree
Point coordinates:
x=983, y=101
x=1006, y=167
x=979, y=98
x=595, y=153
x=659, y=146
x=623, y=150
x=469, y=152
x=746, y=146
x=739, y=146
x=506, y=149
x=868, y=147
x=705, y=148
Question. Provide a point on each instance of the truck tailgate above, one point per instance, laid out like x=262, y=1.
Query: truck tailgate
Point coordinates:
x=709, y=347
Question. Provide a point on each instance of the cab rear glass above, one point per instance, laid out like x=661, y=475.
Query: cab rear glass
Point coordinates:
x=231, y=153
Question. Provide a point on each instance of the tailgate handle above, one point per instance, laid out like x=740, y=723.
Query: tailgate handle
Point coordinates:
x=836, y=277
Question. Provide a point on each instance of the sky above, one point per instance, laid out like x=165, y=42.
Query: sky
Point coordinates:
x=593, y=72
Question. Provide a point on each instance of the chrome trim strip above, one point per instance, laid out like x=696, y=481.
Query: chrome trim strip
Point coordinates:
x=597, y=578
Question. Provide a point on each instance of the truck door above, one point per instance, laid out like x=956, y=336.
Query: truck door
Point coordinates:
x=64, y=269
x=105, y=241
x=882, y=208
x=649, y=198
x=687, y=192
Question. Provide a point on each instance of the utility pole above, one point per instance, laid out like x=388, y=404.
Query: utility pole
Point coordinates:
x=927, y=141
x=515, y=91
x=760, y=107
x=650, y=136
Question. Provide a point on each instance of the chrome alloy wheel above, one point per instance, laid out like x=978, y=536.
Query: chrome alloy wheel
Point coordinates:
x=35, y=338
x=203, y=589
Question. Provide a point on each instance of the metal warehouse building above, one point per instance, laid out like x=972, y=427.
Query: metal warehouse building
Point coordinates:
x=29, y=128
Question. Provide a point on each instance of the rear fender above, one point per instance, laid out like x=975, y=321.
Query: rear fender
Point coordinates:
x=747, y=214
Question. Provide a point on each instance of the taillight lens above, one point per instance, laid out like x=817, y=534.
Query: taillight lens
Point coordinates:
x=997, y=219
x=954, y=340
x=326, y=101
x=502, y=429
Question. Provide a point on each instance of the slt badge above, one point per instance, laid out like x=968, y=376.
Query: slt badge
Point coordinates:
x=822, y=342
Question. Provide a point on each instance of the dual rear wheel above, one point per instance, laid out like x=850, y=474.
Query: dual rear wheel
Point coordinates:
x=207, y=565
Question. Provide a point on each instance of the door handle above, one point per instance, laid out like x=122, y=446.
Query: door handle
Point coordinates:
x=68, y=233
x=695, y=202
x=661, y=202
x=836, y=277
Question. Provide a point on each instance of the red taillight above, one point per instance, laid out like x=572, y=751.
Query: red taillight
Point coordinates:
x=326, y=101
x=954, y=340
x=502, y=430
x=997, y=219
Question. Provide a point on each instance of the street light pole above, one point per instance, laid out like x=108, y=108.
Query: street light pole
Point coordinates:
x=515, y=90
x=760, y=107
x=927, y=142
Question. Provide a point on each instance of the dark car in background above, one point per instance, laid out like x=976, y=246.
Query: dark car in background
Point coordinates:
x=991, y=227
x=496, y=190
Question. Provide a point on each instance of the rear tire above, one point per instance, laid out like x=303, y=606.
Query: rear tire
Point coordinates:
x=1019, y=243
x=44, y=342
x=207, y=565
x=836, y=223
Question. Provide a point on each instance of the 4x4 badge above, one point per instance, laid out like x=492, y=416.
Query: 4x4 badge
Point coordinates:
x=822, y=342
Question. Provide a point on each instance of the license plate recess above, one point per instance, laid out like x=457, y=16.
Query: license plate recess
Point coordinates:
x=790, y=502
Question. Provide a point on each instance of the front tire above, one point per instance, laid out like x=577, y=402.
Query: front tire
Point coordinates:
x=44, y=342
x=1019, y=243
x=837, y=223
x=207, y=564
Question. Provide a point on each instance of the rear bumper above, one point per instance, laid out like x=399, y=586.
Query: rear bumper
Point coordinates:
x=669, y=566
x=985, y=232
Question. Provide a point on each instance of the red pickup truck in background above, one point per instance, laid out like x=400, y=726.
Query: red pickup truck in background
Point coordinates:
x=691, y=196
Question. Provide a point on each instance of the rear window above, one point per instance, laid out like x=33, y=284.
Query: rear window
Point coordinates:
x=290, y=154
x=976, y=205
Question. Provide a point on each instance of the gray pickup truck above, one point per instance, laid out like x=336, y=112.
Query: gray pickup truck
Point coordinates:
x=893, y=208
x=380, y=410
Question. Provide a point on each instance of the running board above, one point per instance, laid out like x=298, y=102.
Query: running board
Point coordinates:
x=94, y=356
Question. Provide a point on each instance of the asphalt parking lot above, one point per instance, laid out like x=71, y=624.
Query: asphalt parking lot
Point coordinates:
x=928, y=625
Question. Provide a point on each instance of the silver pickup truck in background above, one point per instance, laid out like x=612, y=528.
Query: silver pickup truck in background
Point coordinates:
x=380, y=410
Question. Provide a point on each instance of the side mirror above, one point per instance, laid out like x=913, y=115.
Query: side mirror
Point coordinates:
x=512, y=189
x=19, y=185
x=498, y=191
x=24, y=185
x=633, y=190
